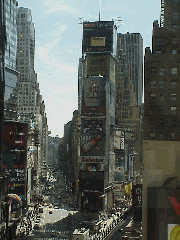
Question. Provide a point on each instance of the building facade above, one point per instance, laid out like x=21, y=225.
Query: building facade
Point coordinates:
x=30, y=106
x=161, y=126
x=96, y=89
x=132, y=46
x=11, y=74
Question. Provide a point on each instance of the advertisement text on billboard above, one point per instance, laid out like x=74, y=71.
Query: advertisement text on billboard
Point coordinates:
x=98, y=37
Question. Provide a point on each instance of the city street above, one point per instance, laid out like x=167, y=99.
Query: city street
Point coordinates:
x=55, y=224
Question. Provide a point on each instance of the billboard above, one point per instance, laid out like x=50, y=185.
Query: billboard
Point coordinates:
x=119, y=172
x=91, y=202
x=14, y=136
x=92, y=159
x=93, y=97
x=14, y=156
x=163, y=212
x=91, y=181
x=97, y=65
x=98, y=37
x=173, y=231
x=93, y=92
x=92, y=138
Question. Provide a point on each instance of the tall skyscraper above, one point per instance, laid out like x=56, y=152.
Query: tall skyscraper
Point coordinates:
x=97, y=115
x=161, y=126
x=31, y=107
x=132, y=46
x=28, y=88
x=11, y=74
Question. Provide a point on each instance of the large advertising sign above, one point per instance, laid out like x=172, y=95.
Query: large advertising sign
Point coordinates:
x=97, y=65
x=119, y=172
x=163, y=213
x=94, y=159
x=91, y=181
x=98, y=37
x=92, y=139
x=93, y=92
x=93, y=97
x=14, y=156
x=91, y=202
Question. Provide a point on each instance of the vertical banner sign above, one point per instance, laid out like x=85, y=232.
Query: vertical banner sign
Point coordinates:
x=122, y=140
x=137, y=195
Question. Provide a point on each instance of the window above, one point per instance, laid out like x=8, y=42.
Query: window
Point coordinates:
x=173, y=97
x=175, y=15
x=161, y=97
x=153, y=97
x=176, y=2
x=152, y=135
x=174, y=111
x=173, y=71
x=173, y=84
x=162, y=71
x=175, y=26
x=153, y=70
x=161, y=136
x=162, y=84
x=173, y=136
x=159, y=52
x=173, y=123
x=174, y=51
x=158, y=41
x=153, y=84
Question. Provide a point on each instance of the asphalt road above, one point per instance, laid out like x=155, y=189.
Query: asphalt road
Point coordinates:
x=117, y=234
x=56, y=225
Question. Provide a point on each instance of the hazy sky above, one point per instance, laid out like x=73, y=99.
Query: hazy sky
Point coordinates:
x=59, y=43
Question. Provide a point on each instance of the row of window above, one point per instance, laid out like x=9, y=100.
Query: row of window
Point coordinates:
x=162, y=84
x=173, y=41
x=161, y=136
x=162, y=71
x=160, y=109
x=175, y=51
x=161, y=97
x=161, y=125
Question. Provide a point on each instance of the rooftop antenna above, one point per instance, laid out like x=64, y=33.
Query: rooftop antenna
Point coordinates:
x=99, y=9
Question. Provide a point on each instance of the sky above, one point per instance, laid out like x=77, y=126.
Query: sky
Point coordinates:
x=58, y=45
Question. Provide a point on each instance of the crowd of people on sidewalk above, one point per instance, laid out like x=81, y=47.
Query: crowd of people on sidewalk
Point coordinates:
x=26, y=224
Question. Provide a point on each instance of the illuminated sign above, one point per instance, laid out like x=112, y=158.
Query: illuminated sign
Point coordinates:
x=14, y=156
x=98, y=37
x=92, y=159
